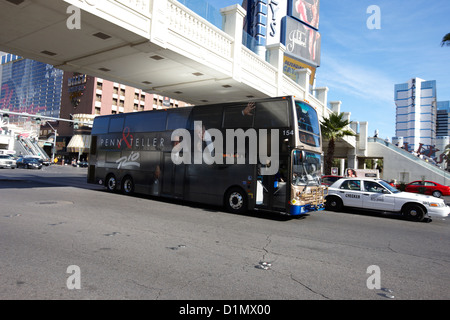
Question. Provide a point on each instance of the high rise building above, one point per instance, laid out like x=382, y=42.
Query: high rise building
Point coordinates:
x=416, y=112
x=84, y=97
x=443, y=121
x=29, y=86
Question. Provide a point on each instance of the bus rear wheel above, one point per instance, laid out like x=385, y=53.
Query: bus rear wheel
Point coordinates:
x=111, y=183
x=236, y=200
x=128, y=185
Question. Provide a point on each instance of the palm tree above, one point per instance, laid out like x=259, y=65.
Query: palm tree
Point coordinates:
x=333, y=128
x=446, y=40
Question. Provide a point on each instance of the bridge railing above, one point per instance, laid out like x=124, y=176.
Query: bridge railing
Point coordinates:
x=412, y=157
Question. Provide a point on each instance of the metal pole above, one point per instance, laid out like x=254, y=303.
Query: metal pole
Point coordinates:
x=54, y=147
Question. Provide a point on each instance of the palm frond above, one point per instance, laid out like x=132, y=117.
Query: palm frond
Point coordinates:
x=446, y=40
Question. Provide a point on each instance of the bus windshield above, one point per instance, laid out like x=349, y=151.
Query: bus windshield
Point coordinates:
x=308, y=124
x=306, y=168
x=307, y=118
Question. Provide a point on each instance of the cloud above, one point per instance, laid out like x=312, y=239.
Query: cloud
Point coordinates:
x=362, y=81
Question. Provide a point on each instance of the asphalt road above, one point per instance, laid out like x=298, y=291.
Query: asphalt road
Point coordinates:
x=57, y=232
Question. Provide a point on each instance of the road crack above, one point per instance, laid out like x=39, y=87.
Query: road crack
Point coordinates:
x=308, y=288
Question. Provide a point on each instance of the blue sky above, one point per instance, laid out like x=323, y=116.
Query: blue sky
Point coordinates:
x=361, y=66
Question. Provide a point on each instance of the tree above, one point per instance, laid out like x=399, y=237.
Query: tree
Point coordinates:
x=333, y=128
x=446, y=40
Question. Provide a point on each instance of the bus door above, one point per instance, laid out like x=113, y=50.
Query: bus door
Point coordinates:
x=272, y=190
x=92, y=160
x=173, y=177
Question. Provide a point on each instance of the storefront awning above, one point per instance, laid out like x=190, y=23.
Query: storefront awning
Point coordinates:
x=79, y=144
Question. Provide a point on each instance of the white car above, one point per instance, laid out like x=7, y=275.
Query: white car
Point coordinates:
x=7, y=162
x=376, y=194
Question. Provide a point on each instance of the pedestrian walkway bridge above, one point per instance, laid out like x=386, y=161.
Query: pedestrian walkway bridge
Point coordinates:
x=159, y=46
x=162, y=47
x=403, y=166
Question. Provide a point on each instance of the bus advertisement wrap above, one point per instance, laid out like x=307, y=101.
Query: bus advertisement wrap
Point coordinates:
x=243, y=155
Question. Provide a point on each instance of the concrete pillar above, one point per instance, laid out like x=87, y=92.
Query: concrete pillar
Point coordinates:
x=342, y=167
x=354, y=126
x=275, y=56
x=363, y=135
x=322, y=94
x=335, y=106
x=159, y=26
x=232, y=22
x=352, y=160
x=303, y=79
x=346, y=116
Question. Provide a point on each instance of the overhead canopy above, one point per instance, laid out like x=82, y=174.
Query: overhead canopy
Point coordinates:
x=79, y=143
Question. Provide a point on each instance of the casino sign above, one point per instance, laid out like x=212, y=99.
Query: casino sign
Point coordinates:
x=77, y=86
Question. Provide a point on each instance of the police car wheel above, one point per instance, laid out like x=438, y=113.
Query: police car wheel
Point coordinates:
x=333, y=204
x=414, y=213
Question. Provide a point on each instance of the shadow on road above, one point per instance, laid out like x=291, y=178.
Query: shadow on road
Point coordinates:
x=77, y=178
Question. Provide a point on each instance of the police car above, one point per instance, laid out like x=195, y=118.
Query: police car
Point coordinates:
x=376, y=194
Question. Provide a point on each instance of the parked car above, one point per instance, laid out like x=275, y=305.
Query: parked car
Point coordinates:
x=6, y=161
x=45, y=162
x=29, y=163
x=378, y=195
x=428, y=187
x=81, y=164
x=329, y=180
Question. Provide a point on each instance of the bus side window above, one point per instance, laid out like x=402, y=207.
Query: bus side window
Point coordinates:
x=116, y=124
x=234, y=117
x=211, y=117
x=178, y=119
x=270, y=116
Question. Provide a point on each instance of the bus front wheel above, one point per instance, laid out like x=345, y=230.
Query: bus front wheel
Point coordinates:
x=236, y=200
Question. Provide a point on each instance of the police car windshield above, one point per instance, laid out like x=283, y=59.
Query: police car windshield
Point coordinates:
x=388, y=186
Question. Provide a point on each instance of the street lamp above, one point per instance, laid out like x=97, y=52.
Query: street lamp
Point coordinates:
x=54, y=142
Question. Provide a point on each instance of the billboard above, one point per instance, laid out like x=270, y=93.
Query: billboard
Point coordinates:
x=307, y=11
x=276, y=11
x=301, y=41
x=290, y=65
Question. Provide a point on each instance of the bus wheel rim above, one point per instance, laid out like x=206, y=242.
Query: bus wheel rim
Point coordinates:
x=236, y=200
x=128, y=185
x=111, y=183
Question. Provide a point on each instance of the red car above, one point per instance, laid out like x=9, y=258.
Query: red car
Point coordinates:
x=329, y=180
x=430, y=188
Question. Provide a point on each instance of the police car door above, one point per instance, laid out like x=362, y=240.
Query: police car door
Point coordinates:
x=350, y=192
x=377, y=197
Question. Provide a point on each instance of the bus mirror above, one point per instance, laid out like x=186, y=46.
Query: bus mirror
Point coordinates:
x=299, y=155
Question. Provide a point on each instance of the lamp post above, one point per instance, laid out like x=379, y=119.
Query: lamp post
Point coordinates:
x=54, y=142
